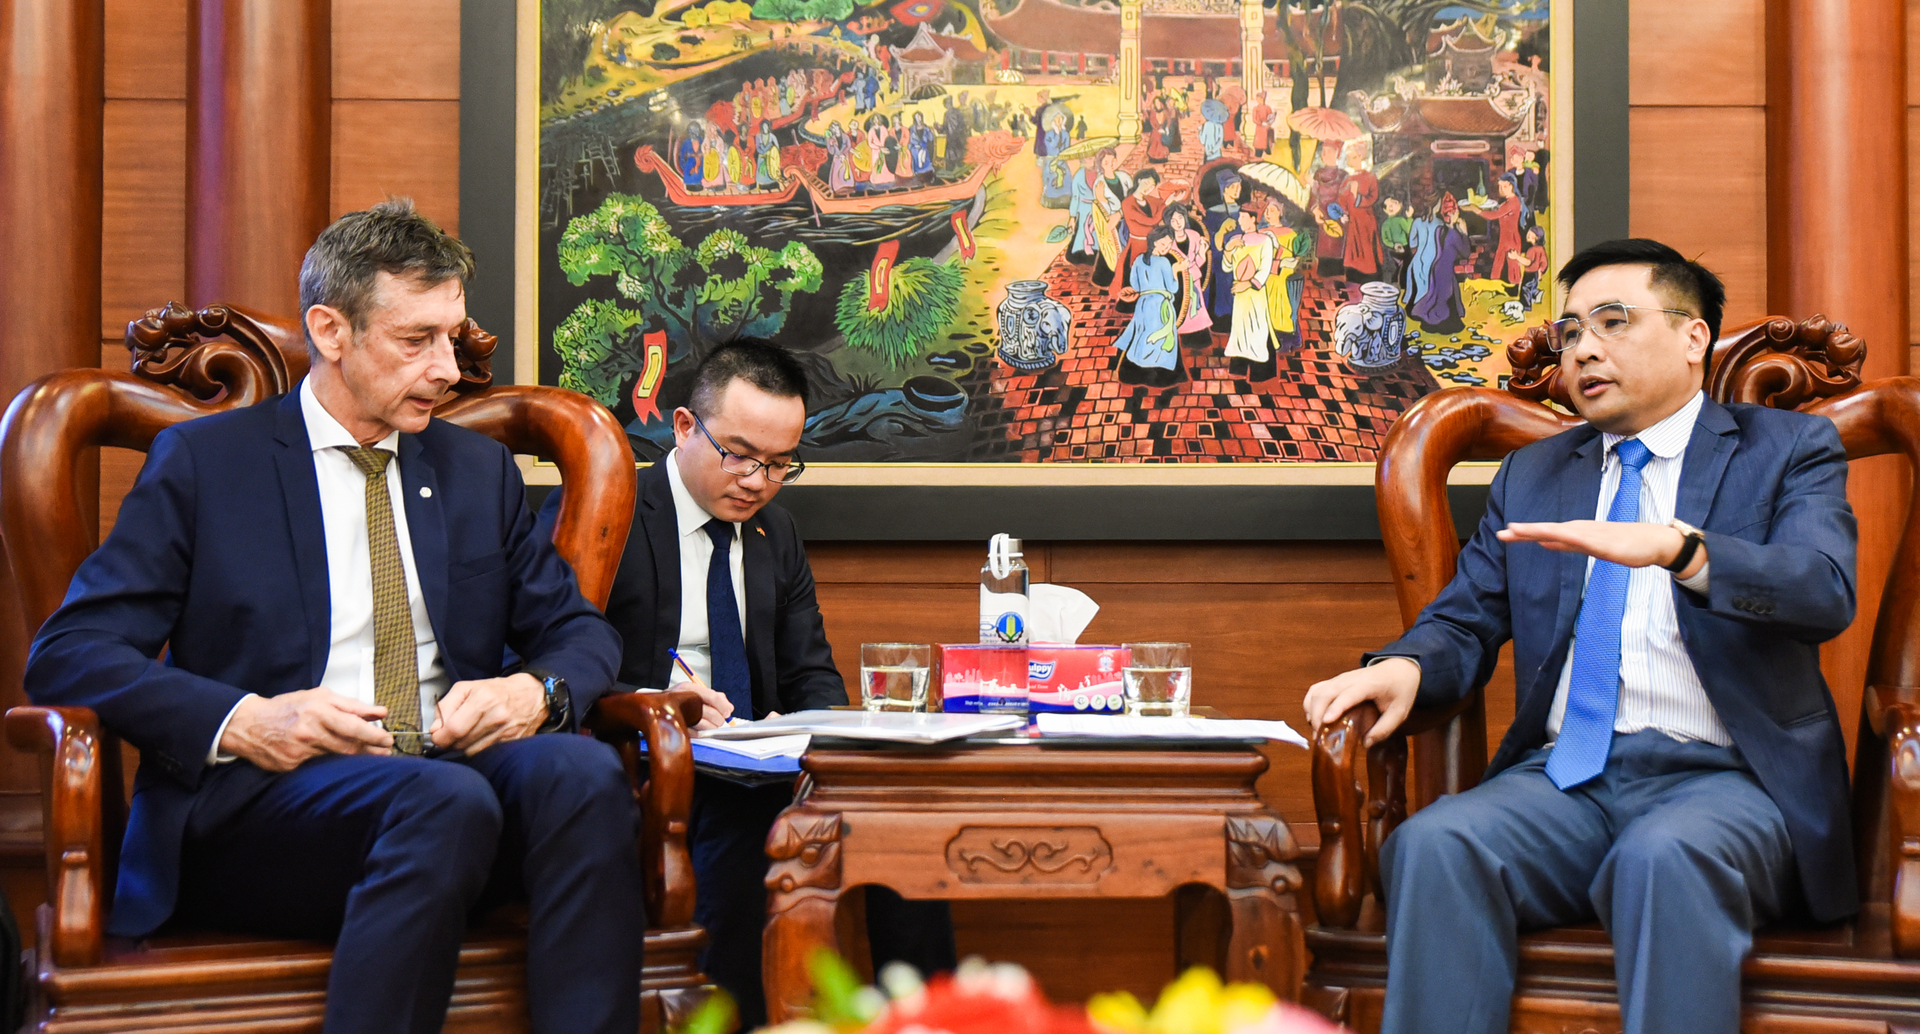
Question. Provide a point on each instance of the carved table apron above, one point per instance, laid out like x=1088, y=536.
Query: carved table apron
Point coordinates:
x=1039, y=822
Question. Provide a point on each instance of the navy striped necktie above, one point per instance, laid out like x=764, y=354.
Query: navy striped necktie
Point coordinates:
x=726, y=643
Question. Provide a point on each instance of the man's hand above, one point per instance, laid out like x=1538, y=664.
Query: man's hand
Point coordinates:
x=1390, y=684
x=478, y=714
x=715, y=707
x=1627, y=543
x=277, y=733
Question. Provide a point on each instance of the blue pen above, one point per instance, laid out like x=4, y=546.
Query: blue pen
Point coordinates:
x=695, y=679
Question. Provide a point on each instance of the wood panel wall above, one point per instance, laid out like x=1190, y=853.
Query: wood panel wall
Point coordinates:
x=396, y=131
x=1266, y=619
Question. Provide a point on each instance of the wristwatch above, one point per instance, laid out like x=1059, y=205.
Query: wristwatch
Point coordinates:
x=559, y=701
x=1691, y=541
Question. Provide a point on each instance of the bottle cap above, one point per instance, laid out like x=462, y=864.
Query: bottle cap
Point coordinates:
x=1001, y=551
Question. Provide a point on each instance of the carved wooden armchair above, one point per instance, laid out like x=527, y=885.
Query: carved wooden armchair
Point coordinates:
x=182, y=368
x=1862, y=975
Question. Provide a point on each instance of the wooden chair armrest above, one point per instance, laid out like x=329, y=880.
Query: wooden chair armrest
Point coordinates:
x=1356, y=819
x=1339, y=799
x=1899, y=722
x=665, y=794
x=72, y=761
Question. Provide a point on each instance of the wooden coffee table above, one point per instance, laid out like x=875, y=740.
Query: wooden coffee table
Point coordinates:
x=1033, y=821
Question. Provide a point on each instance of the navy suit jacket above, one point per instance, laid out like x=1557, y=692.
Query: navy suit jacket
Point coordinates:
x=787, y=651
x=1769, y=490
x=219, y=558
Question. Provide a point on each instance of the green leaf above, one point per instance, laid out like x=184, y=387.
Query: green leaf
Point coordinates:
x=834, y=987
x=716, y=1015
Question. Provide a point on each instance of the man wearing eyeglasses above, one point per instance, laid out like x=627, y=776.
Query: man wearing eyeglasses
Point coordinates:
x=713, y=572
x=1675, y=767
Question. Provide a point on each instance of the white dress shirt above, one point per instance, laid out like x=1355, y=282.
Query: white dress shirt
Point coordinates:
x=343, y=517
x=696, y=555
x=1659, y=688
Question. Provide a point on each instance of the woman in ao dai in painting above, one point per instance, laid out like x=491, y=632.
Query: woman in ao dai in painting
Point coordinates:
x=1149, y=346
x=1190, y=260
x=840, y=174
x=1250, y=258
x=877, y=137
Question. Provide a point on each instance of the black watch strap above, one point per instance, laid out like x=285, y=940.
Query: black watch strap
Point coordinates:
x=1690, y=543
x=559, y=701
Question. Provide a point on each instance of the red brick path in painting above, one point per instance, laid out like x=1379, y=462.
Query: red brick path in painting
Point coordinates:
x=1316, y=408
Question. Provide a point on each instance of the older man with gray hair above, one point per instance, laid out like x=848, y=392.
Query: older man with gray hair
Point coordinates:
x=330, y=747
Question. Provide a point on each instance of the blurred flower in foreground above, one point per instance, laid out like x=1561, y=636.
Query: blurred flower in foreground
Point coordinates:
x=1002, y=998
x=1197, y=1003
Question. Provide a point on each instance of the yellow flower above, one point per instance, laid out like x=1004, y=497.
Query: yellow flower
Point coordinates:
x=1189, y=1005
x=1118, y=1013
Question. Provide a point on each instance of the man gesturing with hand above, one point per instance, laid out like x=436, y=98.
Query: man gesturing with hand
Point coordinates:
x=330, y=745
x=1675, y=767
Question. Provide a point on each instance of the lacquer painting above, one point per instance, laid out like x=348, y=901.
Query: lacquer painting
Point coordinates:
x=1047, y=231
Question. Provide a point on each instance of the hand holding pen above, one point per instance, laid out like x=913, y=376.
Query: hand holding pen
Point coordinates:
x=717, y=710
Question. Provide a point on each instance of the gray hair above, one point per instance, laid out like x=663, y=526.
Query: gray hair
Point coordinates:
x=391, y=237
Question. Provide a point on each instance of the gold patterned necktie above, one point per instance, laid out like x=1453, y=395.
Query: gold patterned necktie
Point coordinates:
x=396, y=655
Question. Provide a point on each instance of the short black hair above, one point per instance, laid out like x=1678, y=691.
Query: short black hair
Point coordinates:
x=1681, y=282
x=757, y=361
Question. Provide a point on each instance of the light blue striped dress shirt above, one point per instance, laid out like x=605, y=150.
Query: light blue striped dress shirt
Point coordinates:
x=1658, y=687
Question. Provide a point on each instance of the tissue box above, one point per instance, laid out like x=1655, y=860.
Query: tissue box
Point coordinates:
x=966, y=667
x=1083, y=678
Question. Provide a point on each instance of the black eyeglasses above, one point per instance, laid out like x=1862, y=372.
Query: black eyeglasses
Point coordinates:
x=1608, y=321
x=785, y=472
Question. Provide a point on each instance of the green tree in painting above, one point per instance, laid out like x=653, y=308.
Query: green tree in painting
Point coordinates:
x=723, y=288
x=921, y=302
x=803, y=10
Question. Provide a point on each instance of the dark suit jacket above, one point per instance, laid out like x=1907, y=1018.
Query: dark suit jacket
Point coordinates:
x=219, y=557
x=787, y=650
x=1769, y=490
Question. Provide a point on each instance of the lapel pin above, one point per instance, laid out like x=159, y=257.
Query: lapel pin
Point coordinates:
x=425, y=492
x=762, y=531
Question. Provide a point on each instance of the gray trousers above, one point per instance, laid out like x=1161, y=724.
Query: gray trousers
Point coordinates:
x=1674, y=847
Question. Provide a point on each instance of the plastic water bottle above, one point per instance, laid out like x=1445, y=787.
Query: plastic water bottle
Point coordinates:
x=1004, y=600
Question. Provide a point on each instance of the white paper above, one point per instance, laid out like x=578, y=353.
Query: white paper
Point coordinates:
x=1054, y=724
x=763, y=748
x=1058, y=613
x=886, y=726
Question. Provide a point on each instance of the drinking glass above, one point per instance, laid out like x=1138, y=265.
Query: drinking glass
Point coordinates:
x=893, y=676
x=1158, y=679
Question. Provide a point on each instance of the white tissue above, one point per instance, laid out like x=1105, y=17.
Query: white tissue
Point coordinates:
x=1057, y=613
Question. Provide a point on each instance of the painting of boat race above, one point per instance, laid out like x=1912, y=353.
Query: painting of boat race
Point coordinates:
x=1047, y=231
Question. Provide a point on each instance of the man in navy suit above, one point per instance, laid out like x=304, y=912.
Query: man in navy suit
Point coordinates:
x=714, y=570
x=1675, y=766
x=330, y=747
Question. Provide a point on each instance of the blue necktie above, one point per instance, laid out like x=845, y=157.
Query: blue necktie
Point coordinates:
x=726, y=644
x=1593, y=695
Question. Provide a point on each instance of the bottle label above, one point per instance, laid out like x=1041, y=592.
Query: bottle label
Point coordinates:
x=1003, y=617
